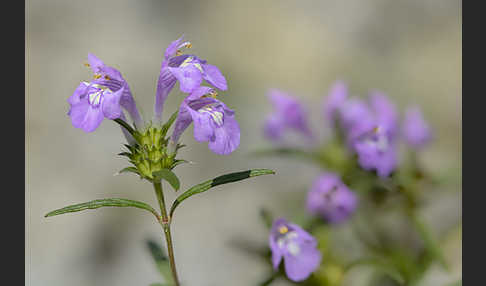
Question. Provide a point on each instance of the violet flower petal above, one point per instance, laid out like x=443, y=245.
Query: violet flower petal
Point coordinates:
x=299, y=267
x=214, y=76
x=189, y=77
x=416, y=131
x=111, y=104
x=172, y=48
x=85, y=116
x=226, y=138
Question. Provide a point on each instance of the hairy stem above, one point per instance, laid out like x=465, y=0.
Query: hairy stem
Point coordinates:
x=165, y=222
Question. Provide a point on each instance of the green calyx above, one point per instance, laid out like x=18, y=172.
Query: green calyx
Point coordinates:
x=152, y=152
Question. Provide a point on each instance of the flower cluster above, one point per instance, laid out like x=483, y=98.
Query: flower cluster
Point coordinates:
x=368, y=133
x=150, y=149
x=108, y=95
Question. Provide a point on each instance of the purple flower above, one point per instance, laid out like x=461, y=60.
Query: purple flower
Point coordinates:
x=112, y=79
x=91, y=103
x=331, y=199
x=213, y=121
x=188, y=70
x=333, y=102
x=371, y=132
x=353, y=112
x=297, y=247
x=415, y=130
x=288, y=114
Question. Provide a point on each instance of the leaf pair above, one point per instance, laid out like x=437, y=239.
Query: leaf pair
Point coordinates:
x=174, y=181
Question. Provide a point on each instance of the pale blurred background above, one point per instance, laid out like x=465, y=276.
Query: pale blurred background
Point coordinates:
x=410, y=49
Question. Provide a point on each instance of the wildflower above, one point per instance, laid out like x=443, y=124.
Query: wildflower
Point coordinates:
x=331, y=199
x=288, y=114
x=372, y=132
x=213, y=121
x=415, y=130
x=91, y=103
x=112, y=79
x=297, y=247
x=188, y=70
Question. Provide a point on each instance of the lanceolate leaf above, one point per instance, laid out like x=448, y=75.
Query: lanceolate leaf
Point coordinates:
x=126, y=154
x=169, y=176
x=125, y=125
x=129, y=170
x=113, y=202
x=169, y=122
x=224, y=179
x=178, y=162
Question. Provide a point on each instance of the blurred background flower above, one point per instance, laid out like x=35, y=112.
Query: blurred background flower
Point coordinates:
x=410, y=50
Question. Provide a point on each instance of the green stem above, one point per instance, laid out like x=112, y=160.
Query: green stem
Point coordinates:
x=165, y=222
x=430, y=243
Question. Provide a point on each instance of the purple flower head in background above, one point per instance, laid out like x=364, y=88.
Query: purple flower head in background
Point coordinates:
x=372, y=133
x=288, y=114
x=331, y=199
x=188, y=70
x=296, y=246
x=415, y=130
x=213, y=121
x=335, y=100
x=353, y=112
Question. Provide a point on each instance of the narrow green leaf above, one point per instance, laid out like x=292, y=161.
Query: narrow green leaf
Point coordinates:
x=224, y=179
x=178, y=162
x=169, y=123
x=169, y=176
x=129, y=147
x=126, y=154
x=129, y=170
x=113, y=202
x=179, y=146
x=161, y=260
x=125, y=125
